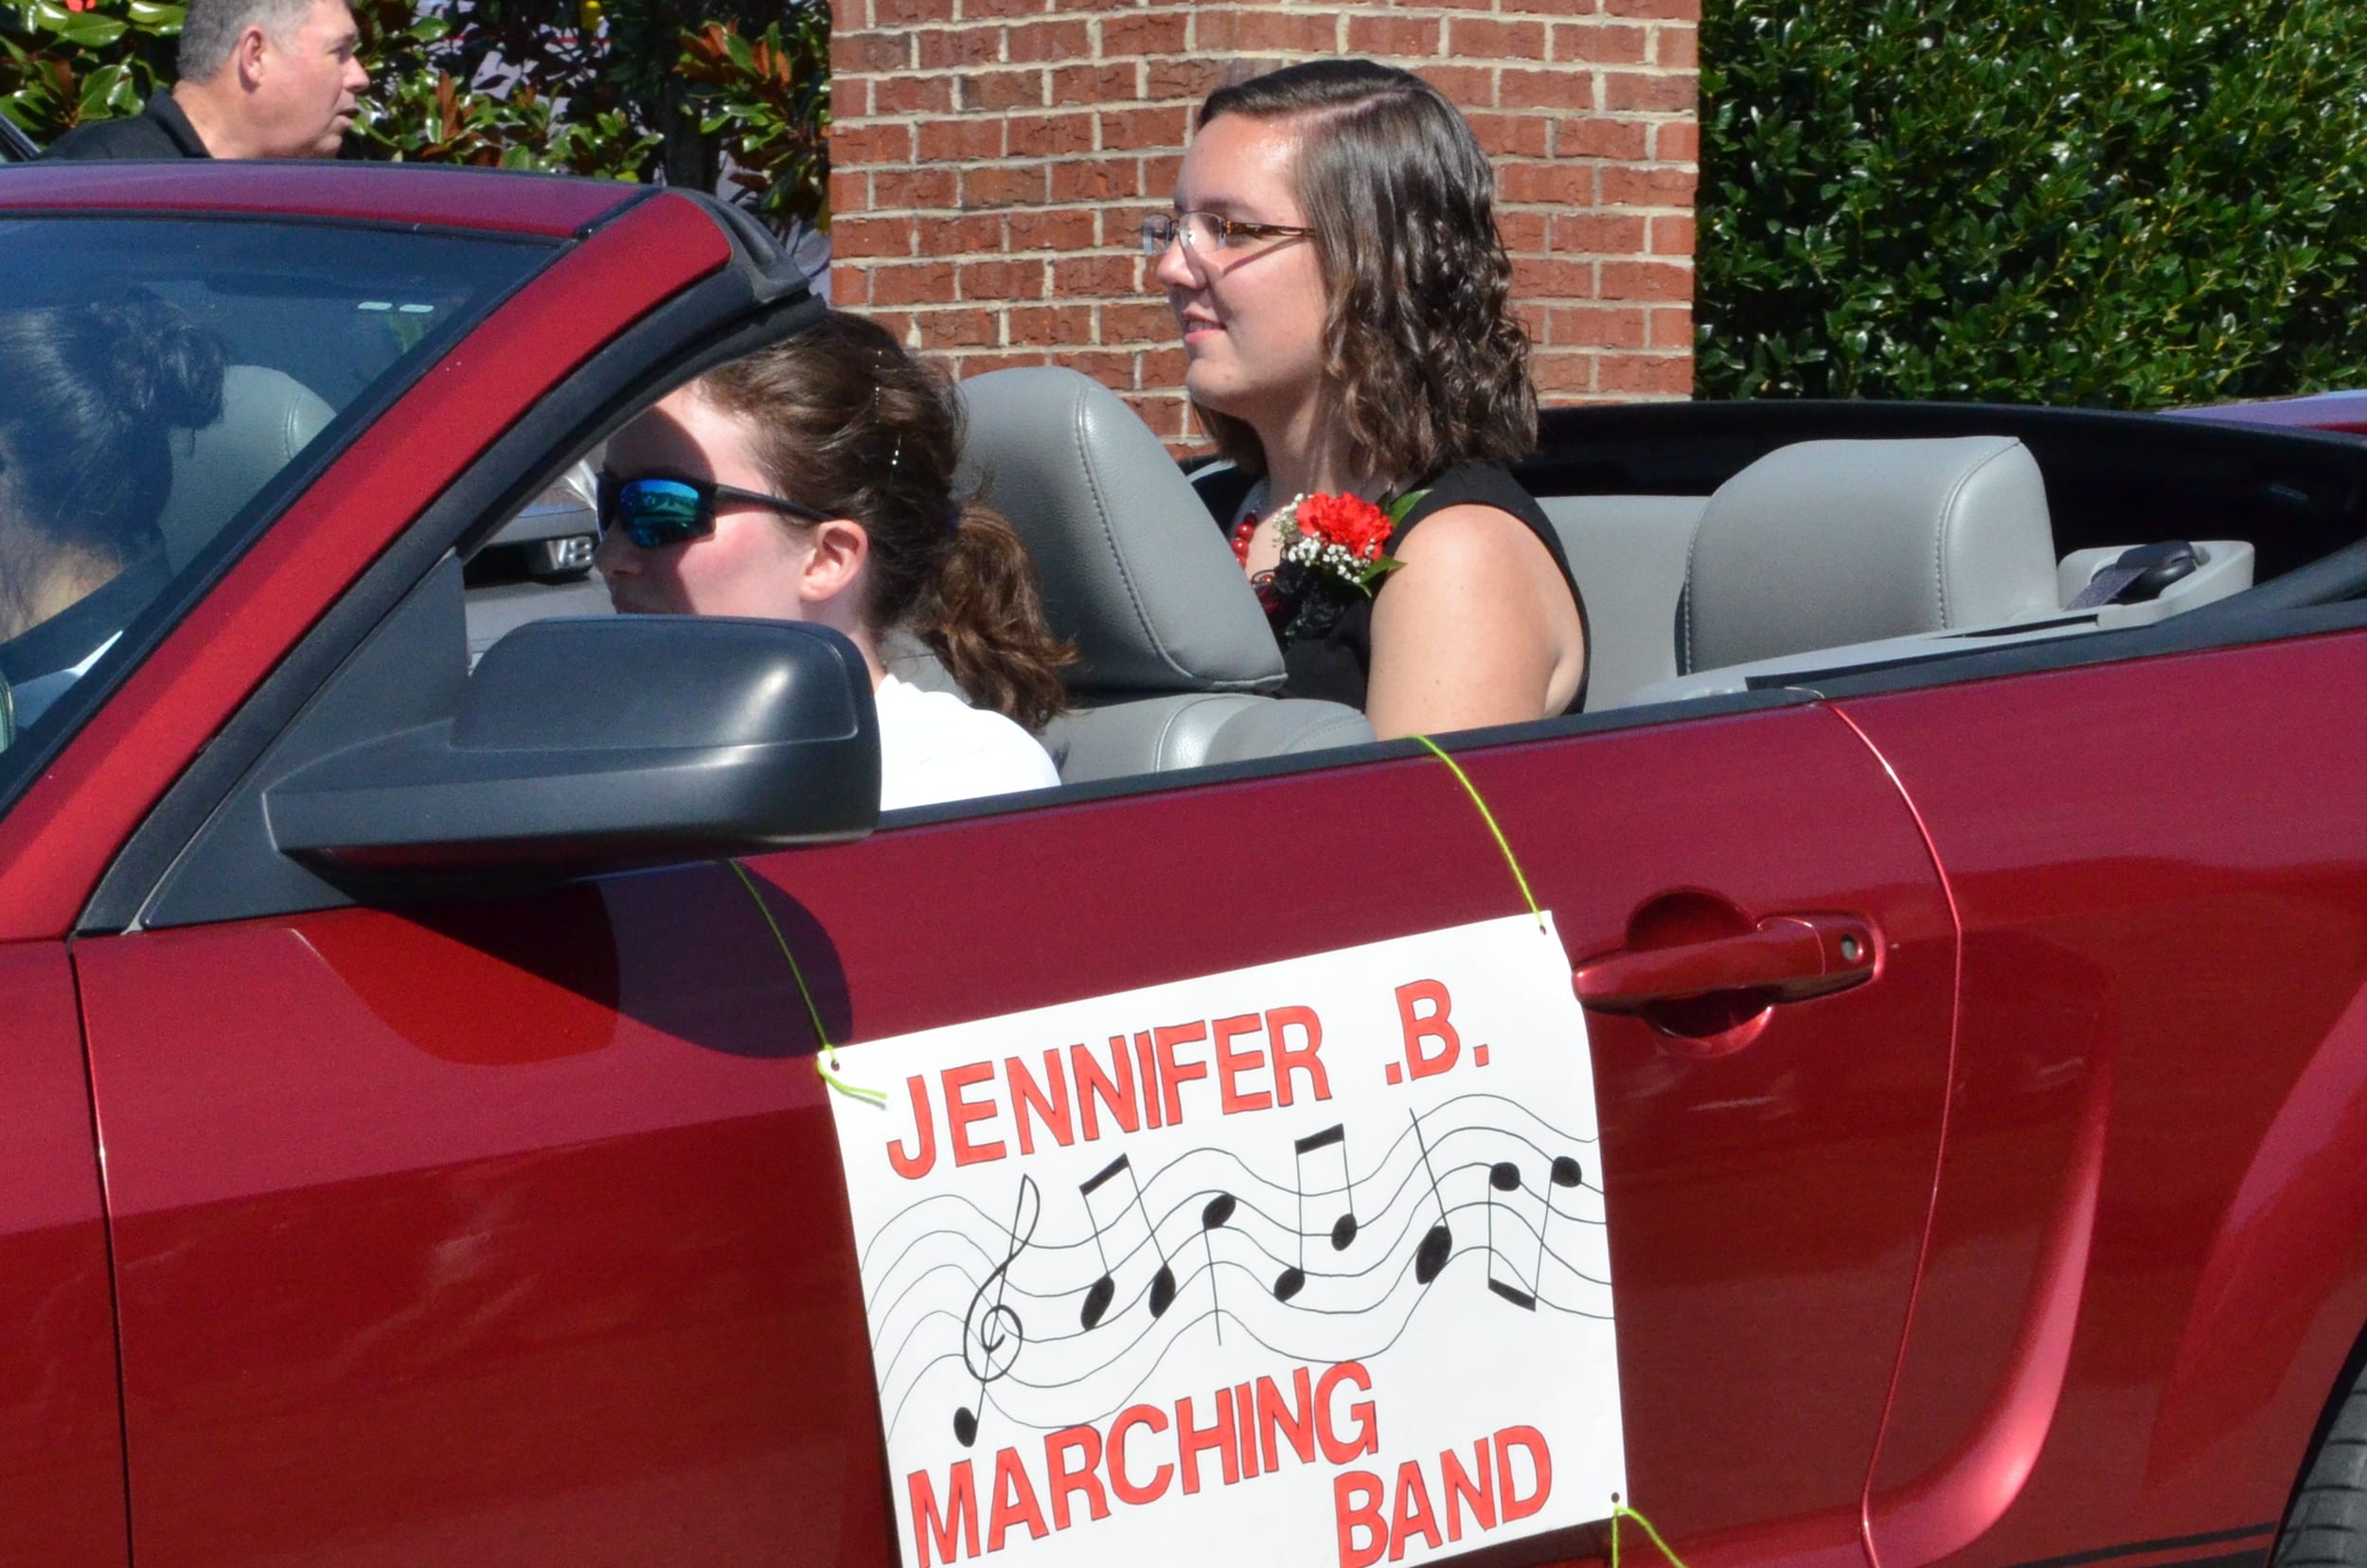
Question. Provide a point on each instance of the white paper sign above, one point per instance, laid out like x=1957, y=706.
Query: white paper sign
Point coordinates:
x=1304, y=1263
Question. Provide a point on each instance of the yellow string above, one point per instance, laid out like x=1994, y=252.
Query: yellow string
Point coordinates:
x=826, y=1060
x=1620, y=1510
x=1488, y=817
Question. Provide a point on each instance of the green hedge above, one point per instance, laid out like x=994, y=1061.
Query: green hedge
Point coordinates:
x=642, y=87
x=2128, y=203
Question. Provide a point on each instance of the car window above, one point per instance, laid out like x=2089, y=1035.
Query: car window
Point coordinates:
x=538, y=562
x=158, y=375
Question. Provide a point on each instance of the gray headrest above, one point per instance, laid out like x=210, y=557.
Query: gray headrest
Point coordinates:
x=1829, y=543
x=267, y=416
x=1133, y=568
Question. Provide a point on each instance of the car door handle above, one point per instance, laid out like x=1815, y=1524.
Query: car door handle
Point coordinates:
x=1789, y=958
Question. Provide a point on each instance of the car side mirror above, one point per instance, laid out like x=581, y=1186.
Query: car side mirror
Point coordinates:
x=595, y=745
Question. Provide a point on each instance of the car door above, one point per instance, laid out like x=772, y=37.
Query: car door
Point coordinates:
x=509, y=1228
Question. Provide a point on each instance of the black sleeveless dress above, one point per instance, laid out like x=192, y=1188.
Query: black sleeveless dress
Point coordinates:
x=1337, y=665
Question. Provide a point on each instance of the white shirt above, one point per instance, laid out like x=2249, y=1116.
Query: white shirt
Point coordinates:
x=935, y=747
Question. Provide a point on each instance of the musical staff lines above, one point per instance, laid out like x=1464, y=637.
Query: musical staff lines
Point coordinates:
x=1336, y=1262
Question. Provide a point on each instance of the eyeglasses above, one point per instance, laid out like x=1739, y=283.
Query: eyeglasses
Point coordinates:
x=1207, y=231
x=656, y=511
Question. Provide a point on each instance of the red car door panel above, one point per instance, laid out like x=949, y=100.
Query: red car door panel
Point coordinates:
x=513, y=1232
x=2147, y=1266
x=61, y=1424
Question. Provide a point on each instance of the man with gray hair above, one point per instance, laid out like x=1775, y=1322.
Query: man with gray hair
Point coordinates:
x=259, y=78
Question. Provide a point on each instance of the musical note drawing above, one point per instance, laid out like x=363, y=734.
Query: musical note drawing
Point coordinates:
x=1564, y=1174
x=1438, y=1241
x=1293, y=1279
x=1504, y=1176
x=1218, y=1210
x=998, y=1326
x=1104, y=1291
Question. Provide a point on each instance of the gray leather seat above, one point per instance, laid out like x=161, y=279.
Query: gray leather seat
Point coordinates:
x=1629, y=553
x=1176, y=664
x=267, y=417
x=1830, y=543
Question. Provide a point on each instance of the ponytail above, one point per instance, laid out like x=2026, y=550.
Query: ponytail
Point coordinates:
x=982, y=617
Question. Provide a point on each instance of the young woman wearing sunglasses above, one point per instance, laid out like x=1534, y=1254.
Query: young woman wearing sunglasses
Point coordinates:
x=1333, y=263
x=813, y=481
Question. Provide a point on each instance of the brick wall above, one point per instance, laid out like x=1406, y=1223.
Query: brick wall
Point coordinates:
x=993, y=160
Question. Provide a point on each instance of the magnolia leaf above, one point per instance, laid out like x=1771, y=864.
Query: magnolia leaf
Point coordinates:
x=103, y=91
x=88, y=29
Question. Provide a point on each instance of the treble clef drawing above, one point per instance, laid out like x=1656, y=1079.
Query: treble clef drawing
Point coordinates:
x=992, y=1334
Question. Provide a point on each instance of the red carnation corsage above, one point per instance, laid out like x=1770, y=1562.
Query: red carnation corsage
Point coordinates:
x=1339, y=536
x=1332, y=555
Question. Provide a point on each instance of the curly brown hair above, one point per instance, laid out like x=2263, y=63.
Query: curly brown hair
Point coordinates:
x=1430, y=363
x=852, y=426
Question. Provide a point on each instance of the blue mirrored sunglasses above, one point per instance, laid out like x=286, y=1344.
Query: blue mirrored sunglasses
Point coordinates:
x=656, y=511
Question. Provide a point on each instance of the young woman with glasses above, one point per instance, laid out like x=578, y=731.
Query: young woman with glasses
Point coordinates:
x=813, y=481
x=1333, y=262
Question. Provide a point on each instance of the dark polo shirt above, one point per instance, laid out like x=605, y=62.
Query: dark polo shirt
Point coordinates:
x=159, y=131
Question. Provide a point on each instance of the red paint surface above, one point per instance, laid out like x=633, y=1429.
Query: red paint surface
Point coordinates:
x=372, y=192
x=2165, y=909
x=61, y=1431
x=514, y=1233
x=57, y=839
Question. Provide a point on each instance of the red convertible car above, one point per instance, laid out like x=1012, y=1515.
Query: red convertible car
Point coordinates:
x=416, y=1154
